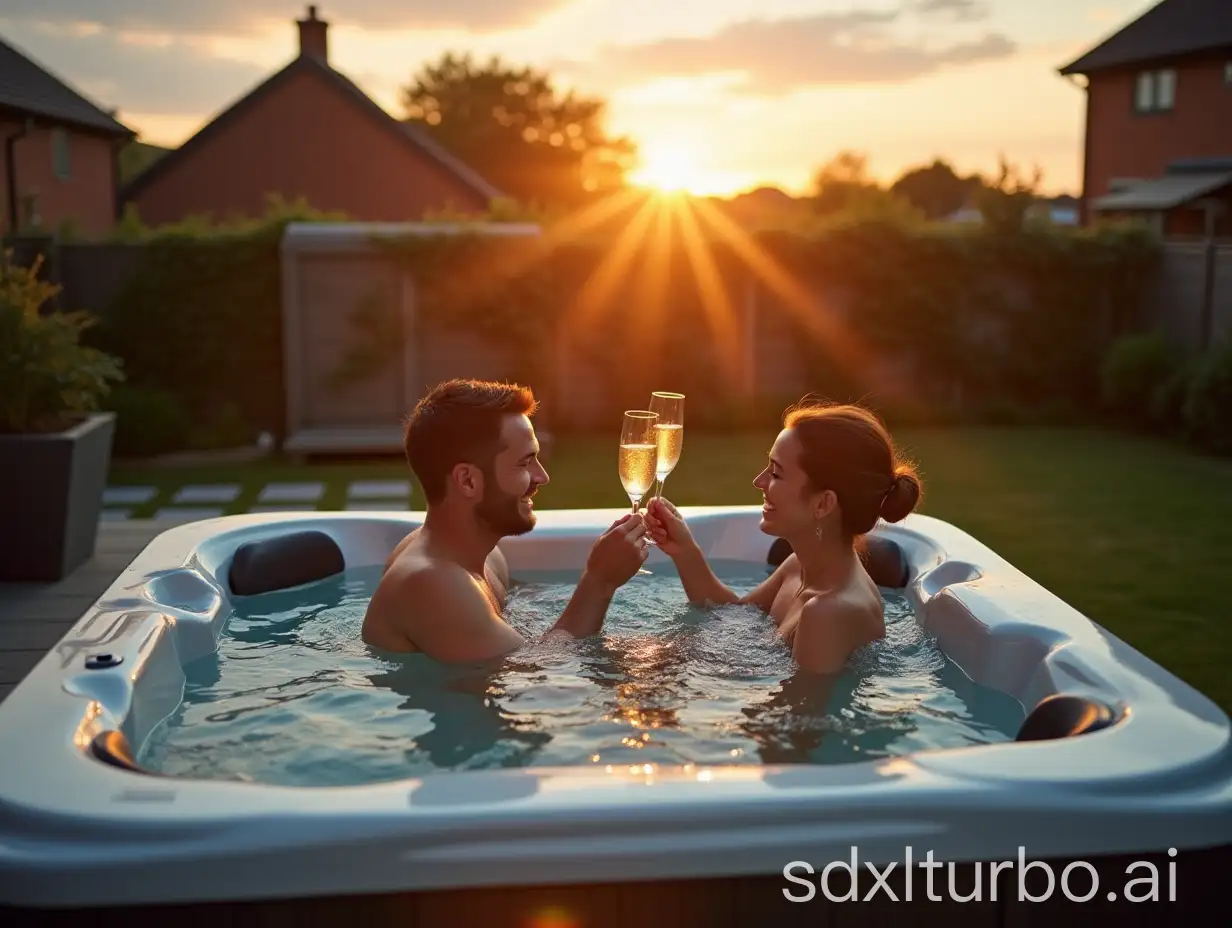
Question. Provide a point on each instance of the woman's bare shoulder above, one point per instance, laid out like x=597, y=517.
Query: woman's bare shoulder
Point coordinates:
x=854, y=606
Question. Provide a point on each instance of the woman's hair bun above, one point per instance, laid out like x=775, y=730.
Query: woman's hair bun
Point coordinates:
x=903, y=497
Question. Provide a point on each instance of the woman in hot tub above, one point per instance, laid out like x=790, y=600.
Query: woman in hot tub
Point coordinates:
x=832, y=473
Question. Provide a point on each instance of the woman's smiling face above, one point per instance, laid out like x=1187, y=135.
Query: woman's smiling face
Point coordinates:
x=788, y=503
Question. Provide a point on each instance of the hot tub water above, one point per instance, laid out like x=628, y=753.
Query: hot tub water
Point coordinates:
x=293, y=696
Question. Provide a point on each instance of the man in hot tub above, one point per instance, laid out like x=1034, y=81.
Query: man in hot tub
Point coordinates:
x=473, y=449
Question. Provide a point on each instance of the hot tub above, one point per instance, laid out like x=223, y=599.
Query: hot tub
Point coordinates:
x=1119, y=766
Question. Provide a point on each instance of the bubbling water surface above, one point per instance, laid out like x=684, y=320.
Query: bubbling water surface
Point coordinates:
x=294, y=697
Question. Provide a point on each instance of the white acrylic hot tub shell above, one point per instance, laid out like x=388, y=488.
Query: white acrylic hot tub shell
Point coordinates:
x=75, y=832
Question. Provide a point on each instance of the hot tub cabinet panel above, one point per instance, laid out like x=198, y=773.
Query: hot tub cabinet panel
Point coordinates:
x=1118, y=764
x=1189, y=895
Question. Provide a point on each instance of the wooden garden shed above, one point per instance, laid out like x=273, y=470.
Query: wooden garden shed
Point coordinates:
x=336, y=275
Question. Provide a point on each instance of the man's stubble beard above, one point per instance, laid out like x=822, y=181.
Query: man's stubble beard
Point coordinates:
x=500, y=511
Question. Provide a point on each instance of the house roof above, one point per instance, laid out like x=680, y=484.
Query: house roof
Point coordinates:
x=1168, y=29
x=410, y=135
x=31, y=90
x=1166, y=192
x=417, y=136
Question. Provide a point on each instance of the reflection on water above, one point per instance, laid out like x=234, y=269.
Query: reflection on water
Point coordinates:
x=294, y=697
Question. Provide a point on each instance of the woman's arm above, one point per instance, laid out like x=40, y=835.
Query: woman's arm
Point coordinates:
x=701, y=586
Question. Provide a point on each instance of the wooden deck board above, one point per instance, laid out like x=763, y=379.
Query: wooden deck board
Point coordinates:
x=35, y=616
x=53, y=605
x=14, y=665
x=24, y=636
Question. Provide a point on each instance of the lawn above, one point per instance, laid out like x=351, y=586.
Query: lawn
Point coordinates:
x=1134, y=533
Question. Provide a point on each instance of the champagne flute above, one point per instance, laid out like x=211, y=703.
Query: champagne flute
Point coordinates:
x=638, y=453
x=669, y=433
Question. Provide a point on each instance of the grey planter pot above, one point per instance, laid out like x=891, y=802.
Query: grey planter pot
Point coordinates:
x=50, y=497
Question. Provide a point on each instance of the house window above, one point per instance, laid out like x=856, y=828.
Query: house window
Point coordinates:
x=1155, y=91
x=1165, y=89
x=59, y=153
x=1144, y=94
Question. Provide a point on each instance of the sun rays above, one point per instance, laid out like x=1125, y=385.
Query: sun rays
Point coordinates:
x=650, y=239
x=729, y=296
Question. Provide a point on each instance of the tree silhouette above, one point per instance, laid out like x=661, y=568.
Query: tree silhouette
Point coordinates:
x=513, y=127
x=840, y=181
x=1006, y=201
x=842, y=187
x=936, y=189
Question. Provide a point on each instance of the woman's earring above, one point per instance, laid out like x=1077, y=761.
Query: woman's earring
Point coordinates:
x=818, y=531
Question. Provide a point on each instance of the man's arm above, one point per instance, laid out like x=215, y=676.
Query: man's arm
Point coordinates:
x=617, y=555
x=445, y=614
x=586, y=610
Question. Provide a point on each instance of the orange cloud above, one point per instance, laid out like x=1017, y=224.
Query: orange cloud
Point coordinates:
x=234, y=17
x=784, y=55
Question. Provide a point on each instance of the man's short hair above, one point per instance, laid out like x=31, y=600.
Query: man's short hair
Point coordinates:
x=457, y=422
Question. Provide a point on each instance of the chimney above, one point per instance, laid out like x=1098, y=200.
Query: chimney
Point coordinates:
x=312, y=36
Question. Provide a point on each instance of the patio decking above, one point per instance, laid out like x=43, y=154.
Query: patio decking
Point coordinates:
x=34, y=616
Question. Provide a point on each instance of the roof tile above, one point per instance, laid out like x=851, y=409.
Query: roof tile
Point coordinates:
x=30, y=88
x=1168, y=29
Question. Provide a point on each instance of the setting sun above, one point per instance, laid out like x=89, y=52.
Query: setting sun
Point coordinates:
x=668, y=168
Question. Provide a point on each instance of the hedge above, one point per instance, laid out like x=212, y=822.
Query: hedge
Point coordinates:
x=1017, y=320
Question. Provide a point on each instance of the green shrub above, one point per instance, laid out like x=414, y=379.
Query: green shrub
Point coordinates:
x=149, y=421
x=48, y=379
x=967, y=313
x=1134, y=370
x=201, y=318
x=1208, y=402
x=223, y=425
x=1167, y=409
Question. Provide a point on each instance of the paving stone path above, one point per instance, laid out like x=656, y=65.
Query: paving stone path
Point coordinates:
x=206, y=501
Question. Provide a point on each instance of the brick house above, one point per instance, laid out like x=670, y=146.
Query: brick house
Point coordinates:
x=59, y=161
x=1158, y=138
x=307, y=131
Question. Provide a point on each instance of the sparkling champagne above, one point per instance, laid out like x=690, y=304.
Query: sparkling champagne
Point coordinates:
x=669, y=431
x=637, y=468
x=670, y=439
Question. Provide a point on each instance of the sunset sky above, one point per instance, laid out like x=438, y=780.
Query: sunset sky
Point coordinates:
x=736, y=93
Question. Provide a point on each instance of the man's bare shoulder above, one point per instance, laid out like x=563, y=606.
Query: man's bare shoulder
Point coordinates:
x=497, y=561
x=419, y=574
x=401, y=547
x=438, y=607
x=414, y=596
